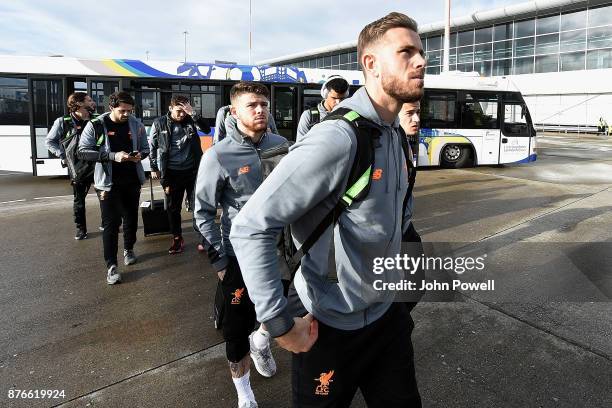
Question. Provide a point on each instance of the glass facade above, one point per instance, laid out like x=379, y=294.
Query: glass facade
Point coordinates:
x=565, y=41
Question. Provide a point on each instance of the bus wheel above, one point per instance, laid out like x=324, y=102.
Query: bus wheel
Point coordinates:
x=455, y=156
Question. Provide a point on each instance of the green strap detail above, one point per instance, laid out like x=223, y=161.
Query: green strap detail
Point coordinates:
x=358, y=187
x=100, y=140
x=352, y=116
x=67, y=118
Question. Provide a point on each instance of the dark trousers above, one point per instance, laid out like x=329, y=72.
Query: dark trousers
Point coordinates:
x=117, y=206
x=181, y=182
x=239, y=313
x=377, y=359
x=80, y=190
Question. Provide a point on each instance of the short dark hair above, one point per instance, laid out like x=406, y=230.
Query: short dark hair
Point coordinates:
x=243, y=87
x=118, y=98
x=179, y=100
x=339, y=85
x=376, y=29
x=75, y=100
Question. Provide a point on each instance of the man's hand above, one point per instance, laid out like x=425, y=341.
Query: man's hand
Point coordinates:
x=302, y=335
x=221, y=274
x=121, y=157
x=155, y=175
x=167, y=190
x=135, y=158
x=187, y=108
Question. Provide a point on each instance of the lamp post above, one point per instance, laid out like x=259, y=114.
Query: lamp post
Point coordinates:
x=250, y=31
x=185, y=34
x=446, y=56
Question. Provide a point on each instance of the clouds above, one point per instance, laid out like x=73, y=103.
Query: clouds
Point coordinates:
x=218, y=30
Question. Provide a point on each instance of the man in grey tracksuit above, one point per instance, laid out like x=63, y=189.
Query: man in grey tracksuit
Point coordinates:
x=82, y=108
x=334, y=90
x=345, y=334
x=118, y=143
x=230, y=172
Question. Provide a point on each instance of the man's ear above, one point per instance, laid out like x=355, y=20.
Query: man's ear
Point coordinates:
x=233, y=112
x=370, y=63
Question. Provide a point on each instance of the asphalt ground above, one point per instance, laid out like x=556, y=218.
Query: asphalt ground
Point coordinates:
x=542, y=339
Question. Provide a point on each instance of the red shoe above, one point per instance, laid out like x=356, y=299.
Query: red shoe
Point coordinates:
x=177, y=245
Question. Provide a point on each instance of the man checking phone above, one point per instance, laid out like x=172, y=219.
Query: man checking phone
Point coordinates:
x=118, y=142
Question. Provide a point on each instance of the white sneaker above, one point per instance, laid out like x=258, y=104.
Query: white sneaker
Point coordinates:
x=262, y=358
x=113, y=276
x=248, y=404
x=128, y=257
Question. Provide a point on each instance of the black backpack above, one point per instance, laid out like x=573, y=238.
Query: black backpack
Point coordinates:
x=359, y=181
x=80, y=170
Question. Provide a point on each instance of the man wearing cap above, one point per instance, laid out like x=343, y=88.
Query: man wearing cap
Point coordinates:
x=334, y=90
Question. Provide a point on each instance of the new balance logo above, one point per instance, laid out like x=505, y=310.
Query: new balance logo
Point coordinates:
x=377, y=175
x=324, y=380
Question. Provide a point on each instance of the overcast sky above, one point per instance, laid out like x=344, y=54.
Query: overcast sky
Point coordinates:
x=218, y=30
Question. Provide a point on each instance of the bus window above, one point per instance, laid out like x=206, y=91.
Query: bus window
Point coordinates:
x=14, y=101
x=148, y=103
x=515, y=119
x=100, y=91
x=438, y=110
x=478, y=111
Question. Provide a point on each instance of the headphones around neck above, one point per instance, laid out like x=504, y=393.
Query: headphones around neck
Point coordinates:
x=325, y=90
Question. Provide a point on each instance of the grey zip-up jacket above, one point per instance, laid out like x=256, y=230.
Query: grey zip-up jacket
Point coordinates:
x=307, y=121
x=88, y=150
x=229, y=173
x=301, y=190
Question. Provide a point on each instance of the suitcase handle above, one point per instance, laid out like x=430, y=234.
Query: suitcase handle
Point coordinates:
x=152, y=198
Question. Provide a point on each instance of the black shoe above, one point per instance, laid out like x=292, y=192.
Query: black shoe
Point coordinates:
x=80, y=234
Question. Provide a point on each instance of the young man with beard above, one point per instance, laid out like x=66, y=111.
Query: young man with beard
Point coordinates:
x=225, y=123
x=175, y=156
x=117, y=141
x=344, y=336
x=230, y=172
x=334, y=90
x=81, y=108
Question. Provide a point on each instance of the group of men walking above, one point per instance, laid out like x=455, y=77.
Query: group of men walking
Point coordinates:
x=341, y=339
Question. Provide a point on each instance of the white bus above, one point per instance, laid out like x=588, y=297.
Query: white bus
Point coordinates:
x=466, y=120
x=33, y=93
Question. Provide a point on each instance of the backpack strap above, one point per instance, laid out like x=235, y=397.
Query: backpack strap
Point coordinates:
x=359, y=181
x=99, y=131
x=412, y=170
x=68, y=126
x=315, y=115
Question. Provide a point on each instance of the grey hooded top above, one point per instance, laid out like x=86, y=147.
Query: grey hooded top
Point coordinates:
x=301, y=190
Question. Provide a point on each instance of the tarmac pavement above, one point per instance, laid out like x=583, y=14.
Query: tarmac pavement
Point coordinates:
x=150, y=341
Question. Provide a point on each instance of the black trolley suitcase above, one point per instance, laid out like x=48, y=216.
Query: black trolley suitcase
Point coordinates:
x=154, y=216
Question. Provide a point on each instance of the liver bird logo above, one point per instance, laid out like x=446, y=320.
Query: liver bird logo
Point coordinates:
x=237, y=296
x=324, y=380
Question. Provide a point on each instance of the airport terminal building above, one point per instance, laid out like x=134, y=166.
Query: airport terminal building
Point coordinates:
x=557, y=52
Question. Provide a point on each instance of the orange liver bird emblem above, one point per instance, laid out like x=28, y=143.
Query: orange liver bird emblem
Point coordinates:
x=324, y=380
x=237, y=296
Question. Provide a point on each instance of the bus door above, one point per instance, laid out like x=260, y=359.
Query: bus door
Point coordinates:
x=480, y=123
x=284, y=109
x=48, y=99
x=515, y=131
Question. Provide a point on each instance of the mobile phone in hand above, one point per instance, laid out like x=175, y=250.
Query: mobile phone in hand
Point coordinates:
x=134, y=153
